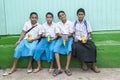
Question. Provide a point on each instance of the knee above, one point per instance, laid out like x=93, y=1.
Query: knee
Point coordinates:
x=56, y=53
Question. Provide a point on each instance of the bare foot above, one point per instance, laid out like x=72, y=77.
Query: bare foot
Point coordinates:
x=51, y=70
x=37, y=70
x=95, y=69
x=84, y=67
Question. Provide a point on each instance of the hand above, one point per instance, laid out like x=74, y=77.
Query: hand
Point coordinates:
x=17, y=43
x=75, y=39
x=85, y=41
x=43, y=35
x=65, y=37
x=29, y=40
x=55, y=37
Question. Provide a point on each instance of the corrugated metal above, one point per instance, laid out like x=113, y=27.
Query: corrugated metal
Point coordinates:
x=2, y=18
x=102, y=14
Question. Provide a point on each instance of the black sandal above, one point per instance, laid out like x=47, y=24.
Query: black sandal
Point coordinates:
x=68, y=72
x=57, y=72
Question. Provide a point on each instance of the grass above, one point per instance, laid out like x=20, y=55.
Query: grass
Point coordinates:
x=105, y=36
x=107, y=55
x=7, y=40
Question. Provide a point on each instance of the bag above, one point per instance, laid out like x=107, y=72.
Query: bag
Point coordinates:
x=30, y=29
x=85, y=23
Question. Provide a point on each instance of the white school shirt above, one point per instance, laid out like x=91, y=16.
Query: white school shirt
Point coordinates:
x=50, y=29
x=80, y=29
x=37, y=30
x=65, y=28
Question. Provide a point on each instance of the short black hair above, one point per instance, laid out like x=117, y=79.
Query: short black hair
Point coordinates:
x=60, y=12
x=49, y=13
x=33, y=13
x=81, y=10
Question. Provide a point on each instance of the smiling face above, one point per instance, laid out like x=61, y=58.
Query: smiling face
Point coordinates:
x=80, y=16
x=62, y=16
x=33, y=18
x=49, y=18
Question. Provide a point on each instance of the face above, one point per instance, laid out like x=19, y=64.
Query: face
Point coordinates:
x=49, y=18
x=80, y=16
x=62, y=16
x=33, y=19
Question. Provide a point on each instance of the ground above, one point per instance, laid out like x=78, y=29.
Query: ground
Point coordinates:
x=78, y=74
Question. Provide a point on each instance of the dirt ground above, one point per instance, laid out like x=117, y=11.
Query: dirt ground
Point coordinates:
x=77, y=74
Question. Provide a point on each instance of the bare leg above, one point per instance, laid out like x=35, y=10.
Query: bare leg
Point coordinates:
x=51, y=67
x=57, y=71
x=39, y=64
x=68, y=61
x=67, y=70
x=94, y=68
x=93, y=64
x=57, y=57
x=38, y=67
x=13, y=69
x=30, y=62
x=84, y=66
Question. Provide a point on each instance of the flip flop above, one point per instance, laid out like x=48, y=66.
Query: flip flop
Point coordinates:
x=8, y=73
x=68, y=72
x=57, y=72
x=29, y=70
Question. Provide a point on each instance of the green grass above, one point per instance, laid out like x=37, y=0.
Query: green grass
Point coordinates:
x=5, y=40
x=105, y=37
x=107, y=55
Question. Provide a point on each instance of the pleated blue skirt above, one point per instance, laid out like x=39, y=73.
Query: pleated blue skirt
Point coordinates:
x=61, y=49
x=44, y=50
x=25, y=49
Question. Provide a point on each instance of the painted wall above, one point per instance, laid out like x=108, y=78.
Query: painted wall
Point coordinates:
x=102, y=14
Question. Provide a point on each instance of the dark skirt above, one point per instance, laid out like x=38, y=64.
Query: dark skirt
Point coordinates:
x=84, y=51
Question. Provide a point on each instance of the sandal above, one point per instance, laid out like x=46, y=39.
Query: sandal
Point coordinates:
x=68, y=72
x=29, y=70
x=57, y=72
x=8, y=73
x=95, y=69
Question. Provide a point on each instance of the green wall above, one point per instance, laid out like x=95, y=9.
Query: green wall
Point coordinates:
x=102, y=14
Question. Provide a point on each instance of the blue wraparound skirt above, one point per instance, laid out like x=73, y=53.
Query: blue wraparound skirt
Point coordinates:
x=25, y=49
x=44, y=50
x=61, y=49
